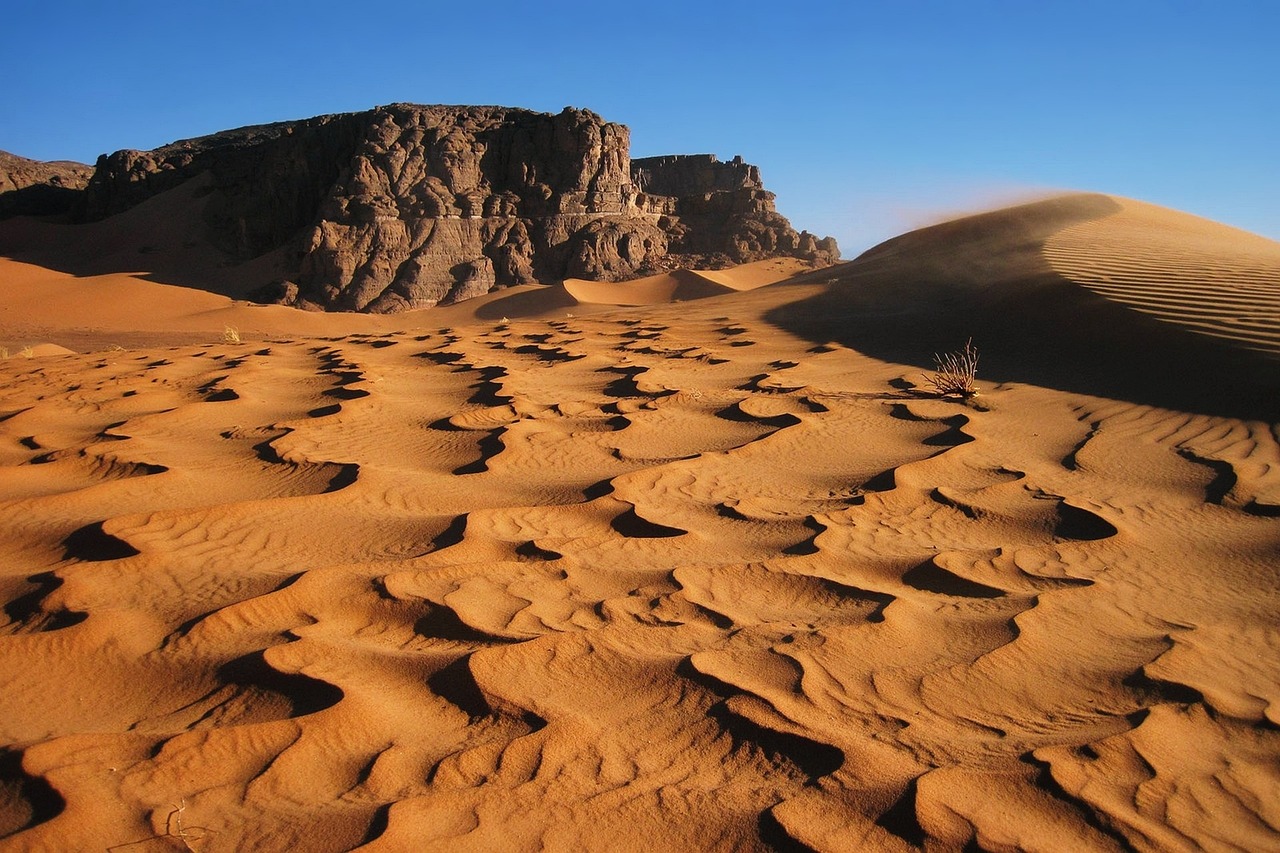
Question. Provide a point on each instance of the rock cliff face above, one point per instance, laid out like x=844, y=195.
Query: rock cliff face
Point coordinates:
x=35, y=188
x=721, y=213
x=408, y=206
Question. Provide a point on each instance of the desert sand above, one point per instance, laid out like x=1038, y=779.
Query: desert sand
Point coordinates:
x=693, y=563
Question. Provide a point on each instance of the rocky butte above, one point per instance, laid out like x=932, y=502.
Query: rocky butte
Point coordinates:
x=33, y=188
x=408, y=206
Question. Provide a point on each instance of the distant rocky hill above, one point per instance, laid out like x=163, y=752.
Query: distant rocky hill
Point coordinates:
x=34, y=188
x=407, y=206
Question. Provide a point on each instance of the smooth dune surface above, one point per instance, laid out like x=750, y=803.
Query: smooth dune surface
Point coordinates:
x=541, y=574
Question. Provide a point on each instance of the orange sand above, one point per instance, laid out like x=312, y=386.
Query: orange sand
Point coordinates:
x=713, y=575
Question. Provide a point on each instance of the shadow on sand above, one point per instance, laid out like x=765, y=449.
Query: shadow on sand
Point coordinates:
x=986, y=277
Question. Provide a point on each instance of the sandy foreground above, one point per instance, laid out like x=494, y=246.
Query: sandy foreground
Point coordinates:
x=590, y=568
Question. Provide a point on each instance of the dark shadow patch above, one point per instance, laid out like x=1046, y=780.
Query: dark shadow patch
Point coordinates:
x=776, y=837
x=930, y=577
x=735, y=414
x=967, y=510
x=378, y=824
x=814, y=758
x=490, y=446
x=725, y=511
x=756, y=383
x=625, y=386
x=547, y=354
x=686, y=670
x=451, y=535
x=631, y=525
x=443, y=623
x=715, y=617
x=598, y=490
x=222, y=395
x=488, y=391
x=809, y=545
x=344, y=393
x=880, y=600
x=325, y=411
x=901, y=820
x=288, y=581
x=1154, y=691
x=346, y=476
x=457, y=686
x=442, y=357
x=26, y=609
x=1045, y=782
x=92, y=544
x=885, y=481
x=1072, y=460
x=40, y=801
x=532, y=551
x=1081, y=524
x=1262, y=509
x=953, y=436
x=305, y=695
x=1224, y=476
x=264, y=449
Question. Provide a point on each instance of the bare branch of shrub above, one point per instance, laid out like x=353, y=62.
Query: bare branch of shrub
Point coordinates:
x=955, y=371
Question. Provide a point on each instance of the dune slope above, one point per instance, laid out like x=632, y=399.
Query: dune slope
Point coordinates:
x=1085, y=292
x=672, y=573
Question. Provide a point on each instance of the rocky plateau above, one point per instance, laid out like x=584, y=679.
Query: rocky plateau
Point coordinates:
x=408, y=206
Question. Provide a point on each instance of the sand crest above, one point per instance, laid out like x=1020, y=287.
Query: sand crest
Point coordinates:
x=709, y=575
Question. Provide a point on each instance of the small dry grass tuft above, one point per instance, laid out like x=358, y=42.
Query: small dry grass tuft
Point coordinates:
x=230, y=335
x=173, y=828
x=955, y=372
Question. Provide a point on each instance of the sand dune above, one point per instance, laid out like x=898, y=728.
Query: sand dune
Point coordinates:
x=1085, y=293
x=709, y=575
x=1198, y=274
x=683, y=285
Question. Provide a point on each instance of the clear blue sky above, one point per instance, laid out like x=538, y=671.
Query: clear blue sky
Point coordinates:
x=867, y=119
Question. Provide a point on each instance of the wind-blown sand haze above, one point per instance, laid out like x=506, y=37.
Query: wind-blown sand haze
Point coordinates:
x=587, y=567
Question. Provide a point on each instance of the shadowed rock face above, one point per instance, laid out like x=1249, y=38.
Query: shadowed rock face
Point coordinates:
x=409, y=206
x=35, y=188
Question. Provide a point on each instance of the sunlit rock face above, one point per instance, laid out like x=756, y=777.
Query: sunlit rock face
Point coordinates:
x=409, y=206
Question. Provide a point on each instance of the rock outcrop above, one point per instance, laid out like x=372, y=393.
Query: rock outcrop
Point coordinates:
x=36, y=188
x=721, y=213
x=409, y=206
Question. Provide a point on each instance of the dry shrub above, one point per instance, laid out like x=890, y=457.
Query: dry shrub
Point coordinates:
x=954, y=372
x=230, y=335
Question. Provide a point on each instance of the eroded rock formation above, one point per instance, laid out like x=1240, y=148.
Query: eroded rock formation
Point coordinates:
x=36, y=188
x=409, y=206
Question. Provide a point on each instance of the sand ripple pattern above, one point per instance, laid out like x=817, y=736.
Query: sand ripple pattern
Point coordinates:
x=1203, y=276
x=668, y=581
